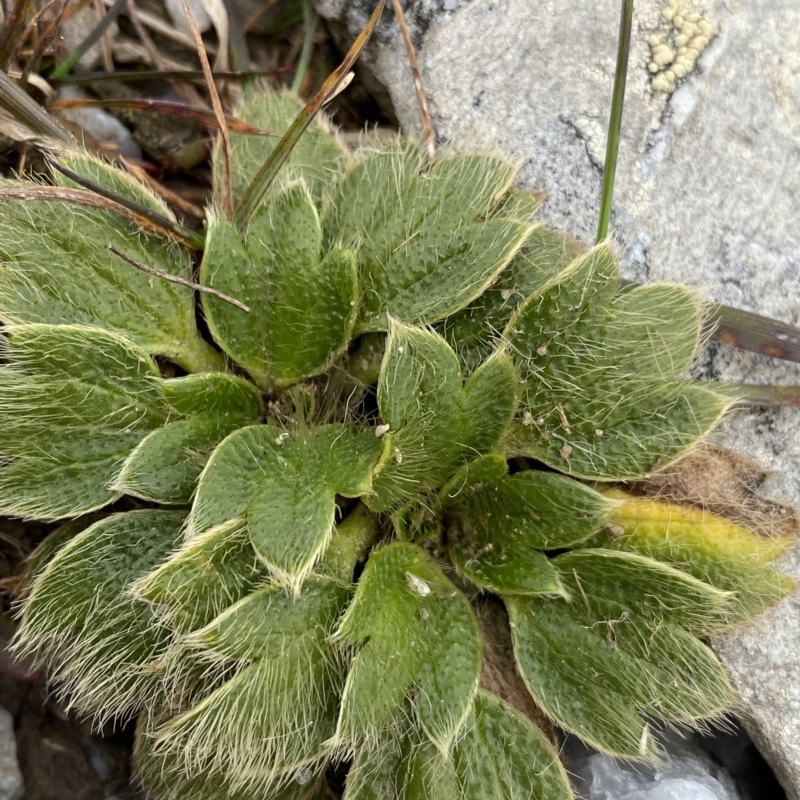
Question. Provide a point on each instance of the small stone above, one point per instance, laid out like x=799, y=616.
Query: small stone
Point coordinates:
x=417, y=585
x=178, y=16
x=12, y=786
x=100, y=125
x=690, y=775
x=77, y=28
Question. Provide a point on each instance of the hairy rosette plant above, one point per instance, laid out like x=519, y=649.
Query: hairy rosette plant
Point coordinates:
x=406, y=408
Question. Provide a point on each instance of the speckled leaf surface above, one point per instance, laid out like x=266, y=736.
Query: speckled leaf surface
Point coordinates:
x=285, y=485
x=74, y=402
x=100, y=639
x=502, y=756
x=414, y=628
x=302, y=302
x=422, y=251
x=56, y=268
x=602, y=397
x=475, y=331
x=436, y=422
x=498, y=523
x=618, y=650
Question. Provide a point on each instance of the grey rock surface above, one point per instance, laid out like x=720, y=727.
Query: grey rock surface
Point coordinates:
x=12, y=786
x=708, y=193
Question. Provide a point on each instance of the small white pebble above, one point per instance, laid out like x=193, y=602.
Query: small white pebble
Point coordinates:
x=418, y=585
x=380, y=430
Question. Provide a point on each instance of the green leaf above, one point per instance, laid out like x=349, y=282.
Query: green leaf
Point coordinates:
x=56, y=268
x=616, y=651
x=424, y=774
x=602, y=397
x=216, y=395
x=498, y=523
x=475, y=331
x=435, y=423
x=499, y=756
x=47, y=549
x=414, y=629
x=711, y=548
x=490, y=396
x=165, y=774
x=502, y=756
x=316, y=159
x=207, y=575
x=74, y=402
x=373, y=772
x=422, y=251
x=97, y=638
x=165, y=466
x=274, y=716
x=613, y=584
x=110, y=177
x=285, y=485
x=302, y=305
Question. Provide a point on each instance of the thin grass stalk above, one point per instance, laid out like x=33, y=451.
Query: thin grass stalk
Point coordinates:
x=615, y=121
x=94, y=36
x=269, y=170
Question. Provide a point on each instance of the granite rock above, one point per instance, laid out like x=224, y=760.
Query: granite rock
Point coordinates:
x=708, y=193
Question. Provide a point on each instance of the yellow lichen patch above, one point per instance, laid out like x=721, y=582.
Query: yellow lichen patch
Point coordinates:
x=684, y=33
